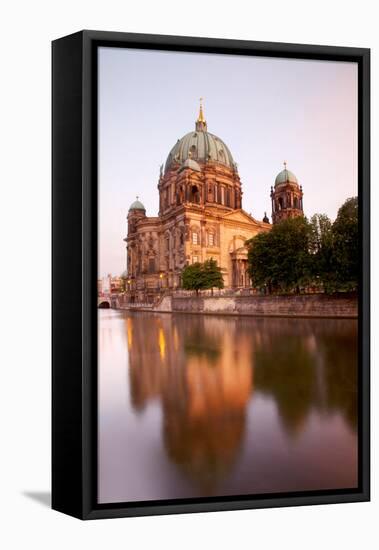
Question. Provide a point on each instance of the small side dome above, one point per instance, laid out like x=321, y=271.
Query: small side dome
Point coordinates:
x=265, y=218
x=285, y=176
x=137, y=205
x=190, y=163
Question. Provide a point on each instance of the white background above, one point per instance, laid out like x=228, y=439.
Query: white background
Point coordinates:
x=27, y=27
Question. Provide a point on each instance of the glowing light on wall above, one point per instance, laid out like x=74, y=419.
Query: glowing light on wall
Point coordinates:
x=162, y=343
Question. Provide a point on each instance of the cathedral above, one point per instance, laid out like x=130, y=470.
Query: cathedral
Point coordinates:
x=200, y=217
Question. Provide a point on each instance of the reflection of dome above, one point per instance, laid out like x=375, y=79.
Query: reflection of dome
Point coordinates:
x=285, y=176
x=200, y=146
x=205, y=447
x=137, y=205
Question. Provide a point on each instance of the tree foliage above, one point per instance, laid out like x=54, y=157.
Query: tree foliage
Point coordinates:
x=298, y=253
x=279, y=260
x=321, y=248
x=202, y=276
x=212, y=275
x=192, y=277
x=346, y=244
x=124, y=278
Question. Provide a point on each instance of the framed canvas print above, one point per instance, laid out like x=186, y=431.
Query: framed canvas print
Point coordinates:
x=210, y=274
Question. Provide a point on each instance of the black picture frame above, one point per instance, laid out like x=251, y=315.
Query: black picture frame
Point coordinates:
x=74, y=321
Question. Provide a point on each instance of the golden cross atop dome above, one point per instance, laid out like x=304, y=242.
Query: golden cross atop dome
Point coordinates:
x=201, y=123
x=285, y=165
x=201, y=117
x=137, y=197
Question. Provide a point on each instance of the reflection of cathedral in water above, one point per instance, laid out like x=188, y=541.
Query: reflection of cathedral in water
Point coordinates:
x=205, y=376
x=204, y=389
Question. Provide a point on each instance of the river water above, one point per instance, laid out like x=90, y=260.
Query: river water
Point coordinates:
x=194, y=406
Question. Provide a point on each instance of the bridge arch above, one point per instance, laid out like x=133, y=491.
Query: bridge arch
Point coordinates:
x=103, y=303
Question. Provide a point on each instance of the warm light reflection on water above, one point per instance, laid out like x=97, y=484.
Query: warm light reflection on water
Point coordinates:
x=194, y=405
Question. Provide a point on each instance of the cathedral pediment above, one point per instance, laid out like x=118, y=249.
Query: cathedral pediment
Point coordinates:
x=241, y=216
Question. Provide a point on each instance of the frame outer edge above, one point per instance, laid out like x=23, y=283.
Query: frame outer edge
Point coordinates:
x=84, y=499
x=67, y=476
x=365, y=298
x=89, y=267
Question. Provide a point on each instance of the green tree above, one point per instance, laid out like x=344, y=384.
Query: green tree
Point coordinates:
x=123, y=278
x=204, y=276
x=321, y=249
x=321, y=228
x=261, y=263
x=192, y=277
x=280, y=260
x=297, y=253
x=345, y=232
x=212, y=275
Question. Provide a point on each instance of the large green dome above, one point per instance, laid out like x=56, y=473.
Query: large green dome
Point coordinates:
x=200, y=146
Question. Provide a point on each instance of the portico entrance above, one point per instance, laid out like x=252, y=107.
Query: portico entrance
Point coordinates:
x=240, y=274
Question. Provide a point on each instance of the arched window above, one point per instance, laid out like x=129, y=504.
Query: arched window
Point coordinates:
x=280, y=203
x=195, y=237
x=227, y=196
x=295, y=203
x=195, y=194
x=209, y=192
x=179, y=196
x=211, y=238
x=172, y=194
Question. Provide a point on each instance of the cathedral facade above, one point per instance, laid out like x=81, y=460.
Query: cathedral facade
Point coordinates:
x=200, y=217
